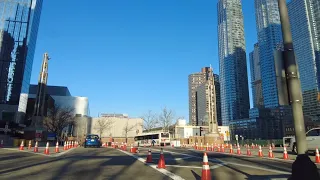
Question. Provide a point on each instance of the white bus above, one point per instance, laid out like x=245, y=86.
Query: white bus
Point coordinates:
x=146, y=139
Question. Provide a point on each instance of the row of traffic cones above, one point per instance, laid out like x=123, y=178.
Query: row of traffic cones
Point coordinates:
x=270, y=153
x=67, y=145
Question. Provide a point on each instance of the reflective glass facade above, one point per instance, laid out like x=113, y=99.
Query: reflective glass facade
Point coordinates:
x=305, y=27
x=232, y=61
x=256, y=77
x=18, y=34
x=269, y=37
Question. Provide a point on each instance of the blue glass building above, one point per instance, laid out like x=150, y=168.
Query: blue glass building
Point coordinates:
x=304, y=18
x=19, y=22
x=232, y=62
x=269, y=38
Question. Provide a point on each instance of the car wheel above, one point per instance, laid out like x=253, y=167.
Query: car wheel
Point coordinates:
x=294, y=148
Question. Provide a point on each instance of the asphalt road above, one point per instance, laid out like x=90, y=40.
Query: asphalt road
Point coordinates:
x=80, y=163
x=108, y=163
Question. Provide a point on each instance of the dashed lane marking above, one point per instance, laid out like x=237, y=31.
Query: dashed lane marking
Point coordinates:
x=163, y=171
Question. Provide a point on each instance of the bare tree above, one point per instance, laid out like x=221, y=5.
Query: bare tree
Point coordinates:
x=127, y=128
x=165, y=118
x=103, y=125
x=81, y=127
x=150, y=121
x=58, y=118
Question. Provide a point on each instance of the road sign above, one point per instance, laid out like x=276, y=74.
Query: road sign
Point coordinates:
x=51, y=136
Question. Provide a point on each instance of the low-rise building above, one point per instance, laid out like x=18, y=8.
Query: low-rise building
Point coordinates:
x=119, y=127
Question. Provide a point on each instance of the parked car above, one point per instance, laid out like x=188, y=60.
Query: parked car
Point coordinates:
x=92, y=140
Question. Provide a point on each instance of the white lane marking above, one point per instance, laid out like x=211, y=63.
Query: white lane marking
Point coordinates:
x=193, y=167
x=39, y=153
x=249, y=166
x=163, y=171
x=256, y=167
x=196, y=167
x=178, y=159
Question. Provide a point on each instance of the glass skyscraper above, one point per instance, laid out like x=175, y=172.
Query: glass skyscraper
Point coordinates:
x=305, y=26
x=232, y=61
x=269, y=37
x=18, y=34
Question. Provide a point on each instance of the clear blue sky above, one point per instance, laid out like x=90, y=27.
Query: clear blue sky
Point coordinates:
x=131, y=56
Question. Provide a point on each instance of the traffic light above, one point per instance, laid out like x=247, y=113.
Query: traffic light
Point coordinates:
x=201, y=130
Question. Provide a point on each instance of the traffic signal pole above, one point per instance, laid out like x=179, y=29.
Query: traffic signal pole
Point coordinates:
x=293, y=81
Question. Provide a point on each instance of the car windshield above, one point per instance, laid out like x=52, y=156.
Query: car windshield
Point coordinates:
x=92, y=137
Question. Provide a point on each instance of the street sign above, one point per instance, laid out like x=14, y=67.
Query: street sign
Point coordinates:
x=51, y=136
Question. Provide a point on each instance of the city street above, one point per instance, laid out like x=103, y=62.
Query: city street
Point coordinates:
x=108, y=163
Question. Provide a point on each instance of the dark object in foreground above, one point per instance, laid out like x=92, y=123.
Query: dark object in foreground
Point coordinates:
x=304, y=168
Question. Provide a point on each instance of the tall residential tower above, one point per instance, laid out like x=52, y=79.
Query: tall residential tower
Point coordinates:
x=305, y=26
x=196, y=80
x=269, y=38
x=19, y=22
x=232, y=60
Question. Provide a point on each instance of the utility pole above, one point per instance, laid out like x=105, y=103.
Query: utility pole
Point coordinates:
x=293, y=81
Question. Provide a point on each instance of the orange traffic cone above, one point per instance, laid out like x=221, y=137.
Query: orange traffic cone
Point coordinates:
x=222, y=148
x=161, y=163
x=260, y=152
x=57, y=147
x=46, y=151
x=29, y=146
x=72, y=144
x=149, y=157
x=248, y=151
x=270, y=154
x=238, y=150
x=205, y=175
x=231, y=149
x=131, y=150
x=285, y=153
x=21, y=146
x=207, y=148
x=65, y=146
x=317, y=156
x=35, y=147
x=212, y=148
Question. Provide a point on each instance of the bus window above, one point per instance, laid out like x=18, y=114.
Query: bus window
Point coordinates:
x=155, y=136
x=164, y=135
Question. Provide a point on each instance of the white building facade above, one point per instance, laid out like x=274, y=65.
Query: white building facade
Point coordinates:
x=120, y=126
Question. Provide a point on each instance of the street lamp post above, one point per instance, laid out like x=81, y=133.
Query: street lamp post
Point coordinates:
x=293, y=81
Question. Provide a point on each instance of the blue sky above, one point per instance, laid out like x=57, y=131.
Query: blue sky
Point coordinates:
x=131, y=56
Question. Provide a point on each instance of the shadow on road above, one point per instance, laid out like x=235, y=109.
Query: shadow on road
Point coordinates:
x=85, y=164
